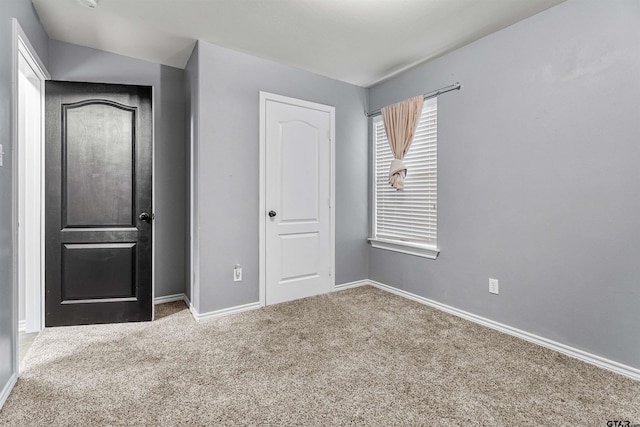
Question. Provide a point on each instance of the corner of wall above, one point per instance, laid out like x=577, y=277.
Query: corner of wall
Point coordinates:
x=192, y=76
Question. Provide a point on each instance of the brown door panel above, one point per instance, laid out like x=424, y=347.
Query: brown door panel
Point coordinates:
x=98, y=182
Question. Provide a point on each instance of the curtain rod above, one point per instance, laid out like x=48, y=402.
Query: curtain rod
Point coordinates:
x=432, y=94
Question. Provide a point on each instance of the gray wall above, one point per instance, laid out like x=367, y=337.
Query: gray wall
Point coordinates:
x=77, y=63
x=539, y=178
x=24, y=12
x=227, y=169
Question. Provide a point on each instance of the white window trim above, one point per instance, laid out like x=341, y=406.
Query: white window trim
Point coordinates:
x=409, y=248
x=416, y=249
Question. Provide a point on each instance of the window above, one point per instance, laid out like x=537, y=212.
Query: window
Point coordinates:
x=406, y=221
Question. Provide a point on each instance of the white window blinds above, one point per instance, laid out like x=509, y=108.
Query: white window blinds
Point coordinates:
x=410, y=215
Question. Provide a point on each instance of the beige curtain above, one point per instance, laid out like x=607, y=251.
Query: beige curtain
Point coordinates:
x=400, y=121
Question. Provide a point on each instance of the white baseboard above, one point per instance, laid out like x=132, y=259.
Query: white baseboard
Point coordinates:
x=351, y=285
x=575, y=353
x=192, y=309
x=169, y=298
x=7, y=389
x=22, y=325
x=254, y=305
x=224, y=311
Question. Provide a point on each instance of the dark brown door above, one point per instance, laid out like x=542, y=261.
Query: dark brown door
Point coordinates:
x=98, y=203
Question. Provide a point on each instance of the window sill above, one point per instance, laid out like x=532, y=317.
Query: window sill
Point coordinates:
x=415, y=249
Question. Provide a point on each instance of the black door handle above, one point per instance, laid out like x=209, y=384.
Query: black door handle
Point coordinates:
x=145, y=217
x=272, y=213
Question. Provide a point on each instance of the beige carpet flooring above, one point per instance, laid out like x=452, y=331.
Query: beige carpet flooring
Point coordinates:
x=355, y=357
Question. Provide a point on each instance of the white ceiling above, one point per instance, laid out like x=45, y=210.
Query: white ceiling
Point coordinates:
x=357, y=41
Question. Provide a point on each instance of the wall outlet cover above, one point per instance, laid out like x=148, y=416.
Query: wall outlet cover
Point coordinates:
x=493, y=286
x=237, y=274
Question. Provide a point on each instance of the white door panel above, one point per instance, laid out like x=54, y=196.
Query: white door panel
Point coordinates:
x=298, y=162
x=300, y=253
x=299, y=186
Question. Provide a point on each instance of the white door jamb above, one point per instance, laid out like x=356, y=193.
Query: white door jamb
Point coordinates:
x=22, y=47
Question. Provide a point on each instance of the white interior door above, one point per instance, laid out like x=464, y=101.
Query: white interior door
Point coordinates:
x=298, y=196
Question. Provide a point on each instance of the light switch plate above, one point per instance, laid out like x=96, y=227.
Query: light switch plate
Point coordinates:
x=1, y=156
x=493, y=286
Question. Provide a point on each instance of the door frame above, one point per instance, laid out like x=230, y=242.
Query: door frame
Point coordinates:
x=262, y=169
x=22, y=47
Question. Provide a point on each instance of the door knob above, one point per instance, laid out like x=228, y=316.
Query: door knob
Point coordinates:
x=272, y=213
x=145, y=217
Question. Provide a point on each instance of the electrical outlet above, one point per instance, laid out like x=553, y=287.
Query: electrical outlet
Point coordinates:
x=237, y=273
x=493, y=286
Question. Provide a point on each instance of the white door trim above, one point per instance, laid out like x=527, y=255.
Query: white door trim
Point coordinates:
x=262, y=212
x=22, y=47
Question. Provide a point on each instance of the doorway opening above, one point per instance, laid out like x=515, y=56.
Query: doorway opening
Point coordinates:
x=28, y=200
